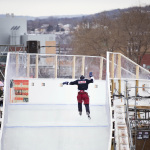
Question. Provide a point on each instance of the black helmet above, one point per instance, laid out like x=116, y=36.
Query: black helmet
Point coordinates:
x=82, y=77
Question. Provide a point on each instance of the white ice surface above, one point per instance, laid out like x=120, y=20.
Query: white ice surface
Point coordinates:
x=55, y=127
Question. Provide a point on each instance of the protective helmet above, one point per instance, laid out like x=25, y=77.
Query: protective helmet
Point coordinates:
x=82, y=77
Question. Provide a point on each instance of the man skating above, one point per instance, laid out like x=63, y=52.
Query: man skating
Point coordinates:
x=82, y=92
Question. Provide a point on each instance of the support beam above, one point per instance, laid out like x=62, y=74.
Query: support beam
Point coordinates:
x=137, y=71
x=73, y=67
x=101, y=69
x=112, y=73
x=17, y=64
x=56, y=66
x=28, y=65
x=83, y=65
x=119, y=83
x=112, y=66
x=119, y=67
x=119, y=73
x=137, y=77
x=36, y=66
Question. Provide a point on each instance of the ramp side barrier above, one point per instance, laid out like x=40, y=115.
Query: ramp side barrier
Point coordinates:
x=121, y=68
x=57, y=66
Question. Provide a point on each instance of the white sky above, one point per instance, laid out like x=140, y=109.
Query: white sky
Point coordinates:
x=64, y=7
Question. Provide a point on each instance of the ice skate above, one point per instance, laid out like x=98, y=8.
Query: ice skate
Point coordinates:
x=88, y=114
x=80, y=113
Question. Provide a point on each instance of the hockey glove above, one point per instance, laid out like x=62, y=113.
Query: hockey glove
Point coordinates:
x=90, y=74
x=65, y=83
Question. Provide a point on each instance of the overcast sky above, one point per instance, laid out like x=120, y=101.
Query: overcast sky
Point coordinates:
x=64, y=7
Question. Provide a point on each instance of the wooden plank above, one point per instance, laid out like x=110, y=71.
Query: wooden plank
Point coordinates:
x=36, y=67
x=73, y=67
x=119, y=83
x=17, y=64
x=119, y=73
x=119, y=66
x=101, y=69
x=137, y=71
x=137, y=84
x=143, y=107
x=137, y=77
x=112, y=87
x=112, y=73
x=83, y=65
x=56, y=66
x=112, y=66
x=52, y=49
x=28, y=65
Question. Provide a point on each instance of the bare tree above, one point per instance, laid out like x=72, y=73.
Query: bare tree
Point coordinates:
x=128, y=33
x=134, y=27
x=91, y=38
x=96, y=37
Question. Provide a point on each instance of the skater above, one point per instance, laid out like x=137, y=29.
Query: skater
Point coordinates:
x=82, y=92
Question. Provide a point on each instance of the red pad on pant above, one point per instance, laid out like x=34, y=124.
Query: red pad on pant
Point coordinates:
x=83, y=96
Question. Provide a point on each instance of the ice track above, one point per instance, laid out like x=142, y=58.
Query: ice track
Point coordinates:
x=55, y=127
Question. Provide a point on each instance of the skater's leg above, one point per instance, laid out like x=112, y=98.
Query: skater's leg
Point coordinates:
x=86, y=103
x=87, y=108
x=80, y=107
x=79, y=98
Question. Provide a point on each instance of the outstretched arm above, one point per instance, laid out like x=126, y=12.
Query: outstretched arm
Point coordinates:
x=74, y=83
x=91, y=76
x=65, y=83
x=70, y=83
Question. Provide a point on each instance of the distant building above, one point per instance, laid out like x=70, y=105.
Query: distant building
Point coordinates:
x=45, y=40
x=10, y=28
x=13, y=35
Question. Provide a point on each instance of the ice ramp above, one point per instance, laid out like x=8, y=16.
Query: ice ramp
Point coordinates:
x=55, y=127
x=52, y=122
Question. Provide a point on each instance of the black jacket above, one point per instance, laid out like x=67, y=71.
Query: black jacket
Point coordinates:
x=82, y=84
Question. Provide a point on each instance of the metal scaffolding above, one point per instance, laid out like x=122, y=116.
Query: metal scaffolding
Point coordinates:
x=137, y=117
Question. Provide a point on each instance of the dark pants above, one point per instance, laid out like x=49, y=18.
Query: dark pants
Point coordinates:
x=86, y=107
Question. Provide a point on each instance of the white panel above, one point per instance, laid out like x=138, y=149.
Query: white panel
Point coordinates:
x=54, y=93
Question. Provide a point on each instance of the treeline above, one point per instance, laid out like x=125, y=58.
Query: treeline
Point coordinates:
x=53, y=22
x=127, y=32
x=74, y=21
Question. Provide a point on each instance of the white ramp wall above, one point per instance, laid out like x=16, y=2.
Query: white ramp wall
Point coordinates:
x=53, y=93
x=47, y=116
x=50, y=119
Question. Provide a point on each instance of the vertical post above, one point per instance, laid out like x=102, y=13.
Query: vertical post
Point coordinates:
x=137, y=84
x=137, y=77
x=119, y=66
x=56, y=66
x=119, y=72
x=36, y=67
x=83, y=64
x=112, y=73
x=119, y=82
x=101, y=68
x=28, y=65
x=73, y=67
x=112, y=66
x=17, y=64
